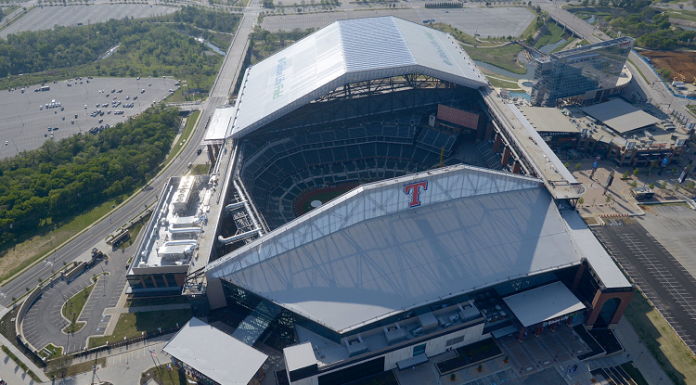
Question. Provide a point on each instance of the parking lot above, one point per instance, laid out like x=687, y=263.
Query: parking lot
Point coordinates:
x=667, y=284
x=25, y=125
x=69, y=16
x=484, y=21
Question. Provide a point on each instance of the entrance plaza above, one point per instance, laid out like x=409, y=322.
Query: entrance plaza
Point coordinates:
x=540, y=360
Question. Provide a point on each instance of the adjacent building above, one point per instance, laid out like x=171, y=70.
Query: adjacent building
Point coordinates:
x=587, y=74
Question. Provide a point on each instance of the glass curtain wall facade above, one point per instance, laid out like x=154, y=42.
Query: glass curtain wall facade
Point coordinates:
x=576, y=71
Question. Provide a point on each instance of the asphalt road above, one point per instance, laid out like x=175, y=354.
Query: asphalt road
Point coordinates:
x=218, y=96
x=657, y=92
x=663, y=280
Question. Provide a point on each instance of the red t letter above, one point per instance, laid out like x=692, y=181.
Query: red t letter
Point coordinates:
x=414, y=189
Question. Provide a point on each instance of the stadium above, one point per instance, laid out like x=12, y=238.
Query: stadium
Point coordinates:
x=373, y=205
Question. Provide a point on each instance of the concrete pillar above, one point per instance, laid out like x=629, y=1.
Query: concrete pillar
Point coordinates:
x=516, y=167
x=506, y=157
x=154, y=283
x=598, y=302
x=164, y=277
x=520, y=338
x=496, y=143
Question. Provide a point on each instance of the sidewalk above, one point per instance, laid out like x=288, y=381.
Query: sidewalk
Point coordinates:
x=163, y=339
x=30, y=364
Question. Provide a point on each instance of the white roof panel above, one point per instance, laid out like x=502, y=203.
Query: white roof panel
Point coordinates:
x=368, y=255
x=219, y=124
x=543, y=304
x=215, y=353
x=343, y=52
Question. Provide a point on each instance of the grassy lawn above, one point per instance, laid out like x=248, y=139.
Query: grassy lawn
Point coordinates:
x=497, y=82
x=553, y=34
x=78, y=368
x=72, y=309
x=155, y=301
x=682, y=14
x=661, y=340
x=503, y=57
x=165, y=377
x=639, y=71
x=185, y=134
x=133, y=324
x=564, y=45
x=463, y=37
x=200, y=169
x=133, y=233
x=38, y=246
x=51, y=351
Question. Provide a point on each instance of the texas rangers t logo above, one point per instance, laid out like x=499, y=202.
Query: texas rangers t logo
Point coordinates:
x=414, y=190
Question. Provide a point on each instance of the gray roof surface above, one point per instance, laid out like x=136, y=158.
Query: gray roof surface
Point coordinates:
x=543, y=303
x=367, y=255
x=545, y=119
x=620, y=116
x=347, y=51
x=214, y=353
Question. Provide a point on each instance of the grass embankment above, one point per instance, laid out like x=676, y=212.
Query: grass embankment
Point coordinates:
x=661, y=340
x=185, y=134
x=165, y=377
x=503, y=57
x=564, y=45
x=552, y=34
x=639, y=71
x=36, y=247
x=200, y=169
x=77, y=368
x=463, y=37
x=133, y=233
x=682, y=14
x=503, y=82
x=73, y=308
x=134, y=324
x=51, y=351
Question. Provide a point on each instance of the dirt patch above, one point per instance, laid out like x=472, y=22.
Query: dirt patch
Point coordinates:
x=680, y=63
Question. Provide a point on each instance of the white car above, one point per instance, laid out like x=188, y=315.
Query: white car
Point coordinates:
x=6, y=143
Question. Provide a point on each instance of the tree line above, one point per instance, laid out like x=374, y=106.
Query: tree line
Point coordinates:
x=216, y=21
x=62, y=179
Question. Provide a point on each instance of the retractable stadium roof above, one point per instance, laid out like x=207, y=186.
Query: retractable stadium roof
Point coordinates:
x=344, y=52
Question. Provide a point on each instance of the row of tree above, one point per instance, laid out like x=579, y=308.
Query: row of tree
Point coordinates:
x=216, y=21
x=652, y=29
x=61, y=179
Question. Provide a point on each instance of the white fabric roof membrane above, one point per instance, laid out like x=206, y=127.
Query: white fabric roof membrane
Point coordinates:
x=543, y=304
x=367, y=255
x=219, y=124
x=347, y=51
x=215, y=353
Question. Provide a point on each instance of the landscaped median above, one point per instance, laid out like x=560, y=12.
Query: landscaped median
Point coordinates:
x=72, y=309
x=133, y=325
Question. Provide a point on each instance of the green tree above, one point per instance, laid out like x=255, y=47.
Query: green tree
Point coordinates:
x=635, y=172
x=651, y=185
x=625, y=175
x=581, y=201
x=608, y=199
x=578, y=166
x=634, y=184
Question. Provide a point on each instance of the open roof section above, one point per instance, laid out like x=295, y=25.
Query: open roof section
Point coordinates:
x=344, y=52
x=370, y=253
